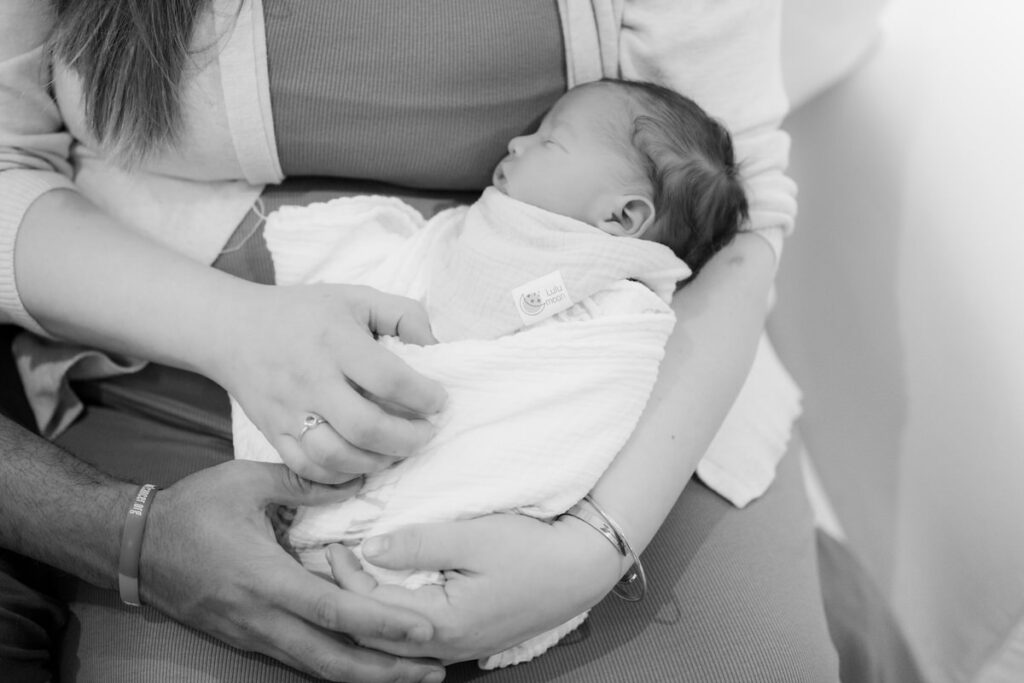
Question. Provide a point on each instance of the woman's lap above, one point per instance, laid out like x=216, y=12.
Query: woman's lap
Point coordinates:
x=734, y=594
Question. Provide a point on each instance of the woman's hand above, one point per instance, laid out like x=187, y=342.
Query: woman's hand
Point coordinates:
x=283, y=352
x=311, y=349
x=210, y=560
x=508, y=578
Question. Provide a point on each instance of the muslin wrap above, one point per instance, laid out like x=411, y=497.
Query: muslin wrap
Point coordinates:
x=550, y=331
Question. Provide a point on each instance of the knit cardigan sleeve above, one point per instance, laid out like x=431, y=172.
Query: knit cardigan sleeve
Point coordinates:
x=726, y=55
x=34, y=147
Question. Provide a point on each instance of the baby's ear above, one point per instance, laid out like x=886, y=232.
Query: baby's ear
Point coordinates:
x=631, y=216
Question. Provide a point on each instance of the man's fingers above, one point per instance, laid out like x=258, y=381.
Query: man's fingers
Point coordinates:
x=281, y=485
x=329, y=607
x=347, y=571
x=333, y=658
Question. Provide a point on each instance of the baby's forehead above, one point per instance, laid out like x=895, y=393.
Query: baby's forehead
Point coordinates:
x=600, y=107
x=596, y=98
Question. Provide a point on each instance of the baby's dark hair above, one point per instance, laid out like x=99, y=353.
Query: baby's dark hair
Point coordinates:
x=699, y=201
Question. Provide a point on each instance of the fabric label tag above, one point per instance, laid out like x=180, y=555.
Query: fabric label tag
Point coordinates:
x=541, y=298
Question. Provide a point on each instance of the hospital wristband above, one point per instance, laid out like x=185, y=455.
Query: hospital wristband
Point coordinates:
x=632, y=587
x=131, y=545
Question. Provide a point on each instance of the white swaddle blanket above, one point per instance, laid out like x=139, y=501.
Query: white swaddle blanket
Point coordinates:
x=535, y=413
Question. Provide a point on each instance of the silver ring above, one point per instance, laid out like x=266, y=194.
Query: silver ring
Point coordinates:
x=311, y=421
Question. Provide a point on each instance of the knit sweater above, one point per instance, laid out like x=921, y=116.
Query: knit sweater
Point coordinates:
x=725, y=55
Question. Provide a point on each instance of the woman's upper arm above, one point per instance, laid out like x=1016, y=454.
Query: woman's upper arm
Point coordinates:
x=34, y=147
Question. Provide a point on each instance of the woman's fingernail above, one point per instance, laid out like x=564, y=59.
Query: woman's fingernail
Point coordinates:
x=420, y=634
x=435, y=676
x=376, y=546
x=440, y=400
x=429, y=430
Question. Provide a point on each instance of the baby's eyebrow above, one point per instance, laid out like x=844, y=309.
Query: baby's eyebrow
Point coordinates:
x=564, y=131
x=560, y=145
x=556, y=135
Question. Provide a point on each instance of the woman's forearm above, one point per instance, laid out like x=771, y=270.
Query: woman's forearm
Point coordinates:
x=283, y=352
x=86, y=278
x=720, y=318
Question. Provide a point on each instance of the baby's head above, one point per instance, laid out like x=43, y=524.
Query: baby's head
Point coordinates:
x=635, y=160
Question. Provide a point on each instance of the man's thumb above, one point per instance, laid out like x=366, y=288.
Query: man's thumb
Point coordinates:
x=288, y=488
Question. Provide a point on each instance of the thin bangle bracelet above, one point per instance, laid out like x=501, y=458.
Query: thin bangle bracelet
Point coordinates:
x=632, y=587
x=131, y=545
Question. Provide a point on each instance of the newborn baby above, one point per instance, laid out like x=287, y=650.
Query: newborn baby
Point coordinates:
x=549, y=297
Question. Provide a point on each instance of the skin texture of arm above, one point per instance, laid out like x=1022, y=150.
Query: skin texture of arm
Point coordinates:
x=720, y=316
x=209, y=557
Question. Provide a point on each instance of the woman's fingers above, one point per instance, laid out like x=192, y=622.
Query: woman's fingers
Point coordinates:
x=358, y=438
x=398, y=316
x=316, y=355
x=327, y=458
x=295, y=458
x=367, y=426
x=385, y=376
x=326, y=447
x=348, y=572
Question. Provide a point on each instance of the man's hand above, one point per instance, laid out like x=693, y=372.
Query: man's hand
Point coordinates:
x=210, y=560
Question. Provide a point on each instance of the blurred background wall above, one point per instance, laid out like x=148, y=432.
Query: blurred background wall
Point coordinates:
x=901, y=307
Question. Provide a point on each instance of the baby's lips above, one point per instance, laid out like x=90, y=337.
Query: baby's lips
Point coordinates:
x=498, y=178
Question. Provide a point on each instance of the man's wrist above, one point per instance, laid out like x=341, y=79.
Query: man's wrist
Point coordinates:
x=151, y=567
x=131, y=544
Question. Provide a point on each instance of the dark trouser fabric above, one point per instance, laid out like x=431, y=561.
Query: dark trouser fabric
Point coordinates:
x=31, y=617
x=31, y=620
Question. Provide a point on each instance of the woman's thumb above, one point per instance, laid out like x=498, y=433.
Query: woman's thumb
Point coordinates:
x=420, y=546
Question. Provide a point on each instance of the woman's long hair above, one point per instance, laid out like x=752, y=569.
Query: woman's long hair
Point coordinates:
x=131, y=55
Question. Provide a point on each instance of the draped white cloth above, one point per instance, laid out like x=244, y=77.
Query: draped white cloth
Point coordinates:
x=536, y=410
